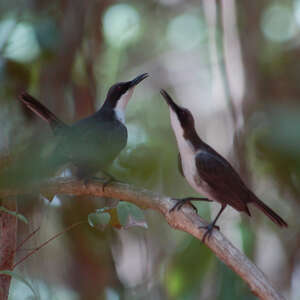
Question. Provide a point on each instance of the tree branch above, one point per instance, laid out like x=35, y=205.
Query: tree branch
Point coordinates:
x=8, y=240
x=186, y=220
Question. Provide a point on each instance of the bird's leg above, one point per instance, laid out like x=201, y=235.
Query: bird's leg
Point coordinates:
x=84, y=174
x=109, y=179
x=87, y=179
x=181, y=202
x=209, y=228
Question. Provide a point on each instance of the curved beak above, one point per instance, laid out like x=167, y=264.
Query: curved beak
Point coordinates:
x=170, y=101
x=138, y=79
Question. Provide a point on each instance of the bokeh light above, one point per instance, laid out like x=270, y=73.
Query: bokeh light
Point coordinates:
x=121, y=25
x=22, y=45
x=278, y=23
x=186, y=31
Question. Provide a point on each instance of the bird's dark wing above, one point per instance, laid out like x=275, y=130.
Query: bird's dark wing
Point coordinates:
x=93, y=143
x=224, y=182
x=180, y=165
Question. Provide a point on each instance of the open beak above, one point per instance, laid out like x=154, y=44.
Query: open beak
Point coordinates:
x=138, y=79
x=170, y=101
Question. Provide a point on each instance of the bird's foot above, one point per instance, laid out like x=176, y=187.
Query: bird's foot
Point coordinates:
x=87, y=180
x=209, y=229
x=181, y=202
x=108, y=180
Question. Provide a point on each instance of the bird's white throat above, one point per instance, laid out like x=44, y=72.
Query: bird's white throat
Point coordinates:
x=122, y=104
x=188, y=154
x=185, y=147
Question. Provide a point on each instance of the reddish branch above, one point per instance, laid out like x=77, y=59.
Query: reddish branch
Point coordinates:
x=186, y=220
x=8, y=238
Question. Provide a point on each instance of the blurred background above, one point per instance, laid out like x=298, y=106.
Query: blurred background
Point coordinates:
x=233, y=63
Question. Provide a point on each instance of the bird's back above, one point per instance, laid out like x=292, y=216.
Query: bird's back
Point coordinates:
x=93, y=143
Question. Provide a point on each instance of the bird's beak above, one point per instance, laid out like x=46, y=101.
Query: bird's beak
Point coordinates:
x=170, y=101
x=138, y=79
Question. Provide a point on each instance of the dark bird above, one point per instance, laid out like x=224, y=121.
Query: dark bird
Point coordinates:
x=208, y=172
x=92, y=143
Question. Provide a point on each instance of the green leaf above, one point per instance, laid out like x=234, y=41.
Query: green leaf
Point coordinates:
x=103, y=210
x=20, y=278
x=114, y=218
x=133, y=222
x=99, y=219
x=130, y=215
x=14, y=213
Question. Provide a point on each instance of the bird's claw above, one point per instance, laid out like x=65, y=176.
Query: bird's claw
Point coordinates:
x=87, y=180
x=180, y=203
x=209, y=229
x=107, y=181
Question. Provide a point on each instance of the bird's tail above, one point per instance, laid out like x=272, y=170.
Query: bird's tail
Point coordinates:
x=42, y=111
x=269, y=212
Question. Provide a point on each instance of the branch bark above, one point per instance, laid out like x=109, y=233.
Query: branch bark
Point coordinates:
x=8, y=240
x=186, y=220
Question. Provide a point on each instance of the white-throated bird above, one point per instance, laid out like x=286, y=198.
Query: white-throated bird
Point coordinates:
x=208, y=172
x=92, y=143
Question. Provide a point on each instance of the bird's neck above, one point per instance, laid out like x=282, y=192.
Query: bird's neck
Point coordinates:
x=121, y=104
x=118, y=106
x=120, y=115
x=110, y=114
x=188, y=141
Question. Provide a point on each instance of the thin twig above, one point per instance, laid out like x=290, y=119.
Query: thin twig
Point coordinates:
x=47, y=242
x=27, y=238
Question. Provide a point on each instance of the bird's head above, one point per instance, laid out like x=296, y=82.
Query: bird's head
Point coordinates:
x=120, y=93
x=180, y=116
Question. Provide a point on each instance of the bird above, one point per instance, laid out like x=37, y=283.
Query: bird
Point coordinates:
x=92, y=143
x=209, y=173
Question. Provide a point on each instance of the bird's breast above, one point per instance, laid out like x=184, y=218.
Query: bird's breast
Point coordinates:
x=188, y=156
x=191, y=174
